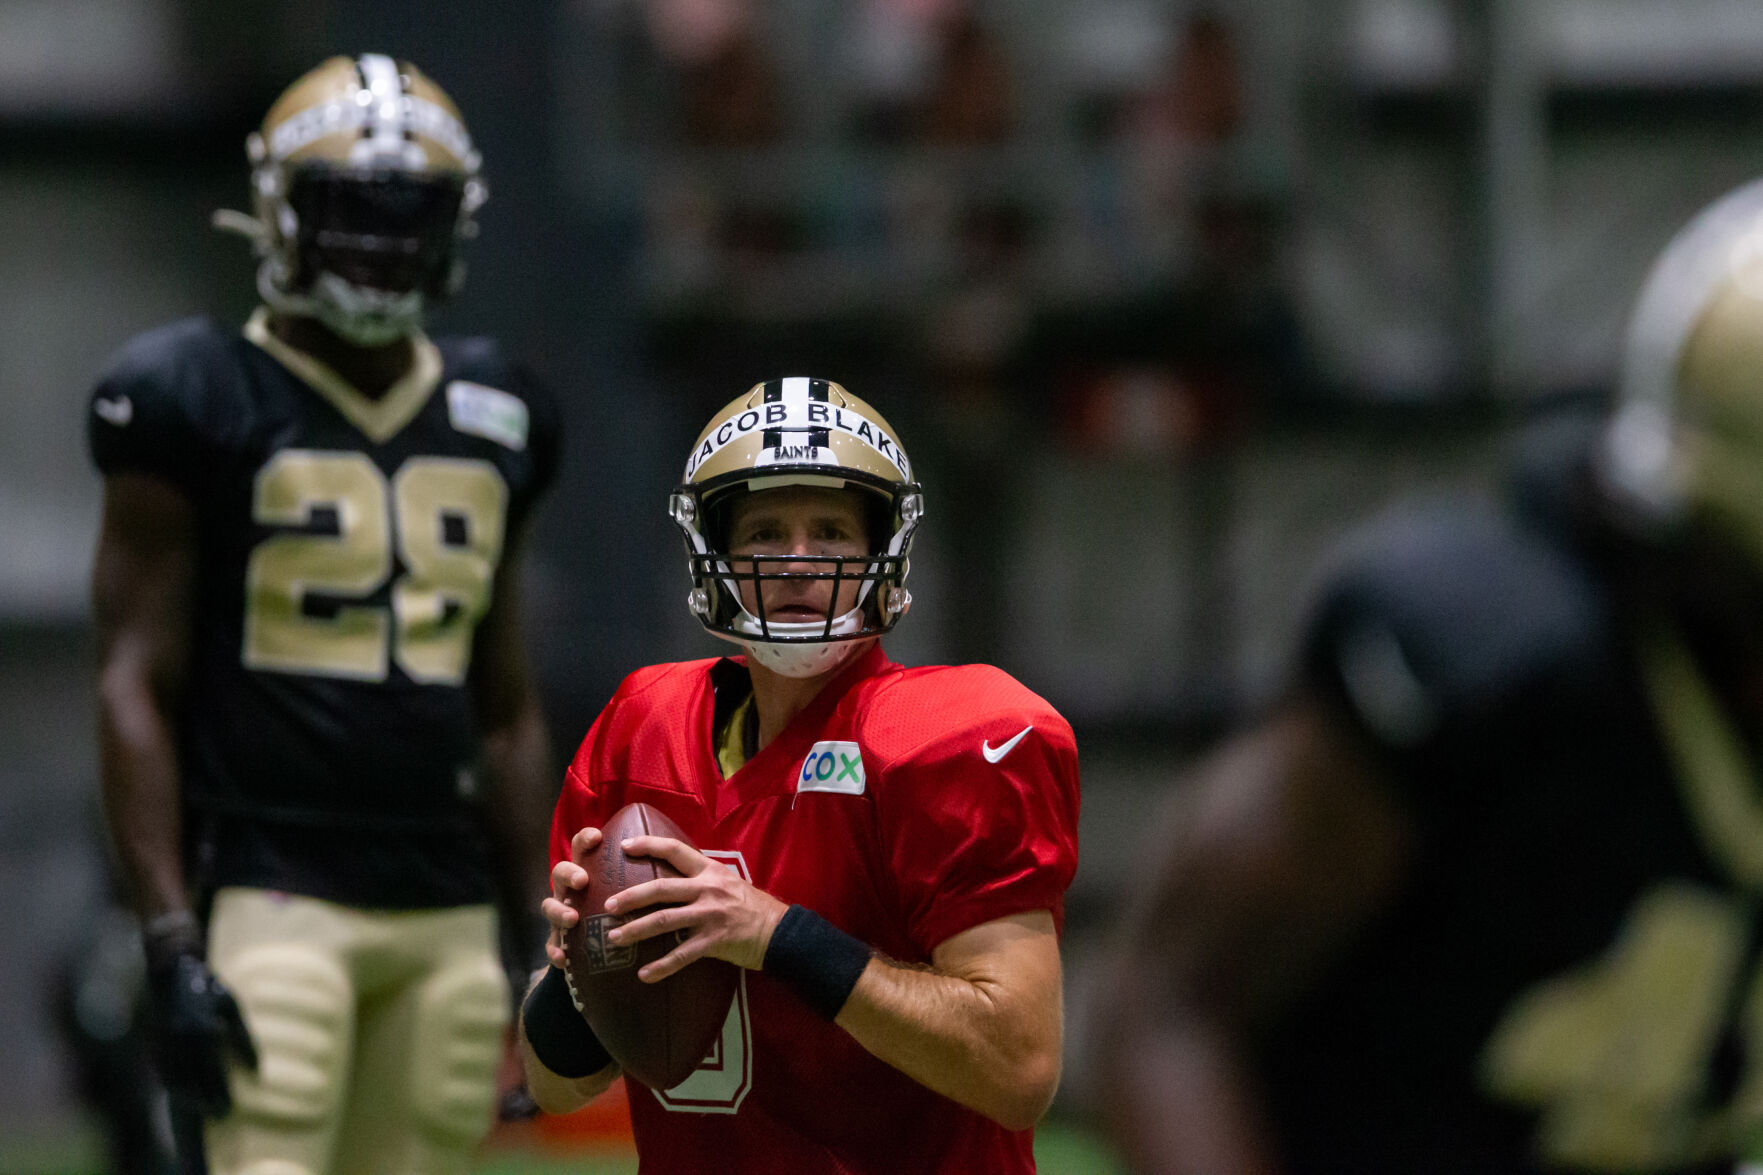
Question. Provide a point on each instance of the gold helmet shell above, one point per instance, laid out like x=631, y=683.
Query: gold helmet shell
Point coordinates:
x=367, y=111
x=798, y=431
x=1687, y=441
x=804, y=425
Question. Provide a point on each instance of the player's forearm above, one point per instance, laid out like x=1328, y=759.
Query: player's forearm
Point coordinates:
x=517, y=806
x=561, y=1095
x=569, y=1044
x=143, y=806
x=1177, y=1096
x=973, y=1040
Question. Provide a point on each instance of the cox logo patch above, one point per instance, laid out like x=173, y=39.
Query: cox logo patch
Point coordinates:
x=832, y=767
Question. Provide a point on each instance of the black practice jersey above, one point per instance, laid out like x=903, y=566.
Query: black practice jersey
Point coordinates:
x=1562, y=982
x=347, y=549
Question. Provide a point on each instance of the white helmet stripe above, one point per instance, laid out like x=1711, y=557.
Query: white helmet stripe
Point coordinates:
x=386, y=108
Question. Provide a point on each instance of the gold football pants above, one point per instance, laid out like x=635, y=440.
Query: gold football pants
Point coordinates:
x=378, y=1035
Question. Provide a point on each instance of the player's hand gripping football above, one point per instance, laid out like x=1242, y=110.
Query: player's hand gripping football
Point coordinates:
x=197, y=1022
x=568, y=880
x=723, y=915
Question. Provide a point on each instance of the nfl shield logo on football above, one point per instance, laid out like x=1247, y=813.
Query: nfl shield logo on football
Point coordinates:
x=603, y=955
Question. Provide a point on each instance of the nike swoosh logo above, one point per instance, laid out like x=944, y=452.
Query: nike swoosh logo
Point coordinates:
x=992, y=756
x=118, y=411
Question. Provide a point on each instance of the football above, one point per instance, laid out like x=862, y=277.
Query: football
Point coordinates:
x=657, y=1032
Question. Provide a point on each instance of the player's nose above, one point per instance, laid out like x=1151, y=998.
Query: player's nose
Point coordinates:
x=801, y=546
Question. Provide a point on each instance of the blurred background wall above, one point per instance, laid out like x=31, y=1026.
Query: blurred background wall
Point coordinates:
x=1164, y=295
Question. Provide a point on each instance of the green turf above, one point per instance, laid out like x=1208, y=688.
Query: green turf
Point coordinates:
x=1062, y=1149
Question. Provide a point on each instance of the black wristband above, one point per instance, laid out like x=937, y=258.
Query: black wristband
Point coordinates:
x=558, y=1034
x=817, y=960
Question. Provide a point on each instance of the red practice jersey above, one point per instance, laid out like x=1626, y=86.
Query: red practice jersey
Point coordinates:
x=903, y=805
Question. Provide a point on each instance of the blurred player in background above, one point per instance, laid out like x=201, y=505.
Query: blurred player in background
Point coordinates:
x=1482, y=893
x=323, y=756
x=849, y=813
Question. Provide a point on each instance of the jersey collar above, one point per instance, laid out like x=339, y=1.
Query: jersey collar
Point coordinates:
x=762, y=775
x=378, y=419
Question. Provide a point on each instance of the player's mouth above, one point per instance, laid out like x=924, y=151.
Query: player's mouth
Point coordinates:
x=794, y=613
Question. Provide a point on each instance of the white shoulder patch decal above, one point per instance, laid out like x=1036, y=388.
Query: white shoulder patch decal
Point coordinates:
x=487, y=412
x=118, y=411
x=834, y=767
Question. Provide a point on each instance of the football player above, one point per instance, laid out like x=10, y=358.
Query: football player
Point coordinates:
x=323, y=756
x=884, y=850
x=1482, y=893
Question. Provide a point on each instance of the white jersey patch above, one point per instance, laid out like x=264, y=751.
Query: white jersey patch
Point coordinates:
x=488, y=413
x=834, y=767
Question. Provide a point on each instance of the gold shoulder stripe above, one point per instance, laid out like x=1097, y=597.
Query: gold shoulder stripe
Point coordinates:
x=1714, y=770
x=378, y=419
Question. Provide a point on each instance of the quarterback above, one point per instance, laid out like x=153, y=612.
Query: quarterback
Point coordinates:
x=884, y=850
x=323, y=758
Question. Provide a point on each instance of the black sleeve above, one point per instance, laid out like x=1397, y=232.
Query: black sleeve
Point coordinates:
x=544, y=430
x=147, y=413
x=1446, y=633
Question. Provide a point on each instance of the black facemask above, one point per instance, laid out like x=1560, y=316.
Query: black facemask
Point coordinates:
x=384, y=230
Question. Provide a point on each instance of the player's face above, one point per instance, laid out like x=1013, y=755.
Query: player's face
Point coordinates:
x=802, y=521
x=382, y=230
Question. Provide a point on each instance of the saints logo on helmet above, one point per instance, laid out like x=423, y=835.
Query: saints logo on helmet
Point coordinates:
x=364, y=184
x=797, y=432
x=1687, y=442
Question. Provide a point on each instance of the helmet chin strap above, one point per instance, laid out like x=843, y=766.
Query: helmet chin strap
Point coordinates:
x=802, y=660
x=367, y=318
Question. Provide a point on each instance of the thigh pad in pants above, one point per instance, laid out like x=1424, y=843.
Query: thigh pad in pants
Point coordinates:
x=462, y=1013
x=299, y=1005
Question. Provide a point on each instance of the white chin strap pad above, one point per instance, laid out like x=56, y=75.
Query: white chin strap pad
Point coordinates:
x=803, y=660
x=367, y=318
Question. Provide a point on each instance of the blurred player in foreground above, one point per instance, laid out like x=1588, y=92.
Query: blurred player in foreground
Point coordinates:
x=885, y=850
x=1481, y=894
x=320, y=738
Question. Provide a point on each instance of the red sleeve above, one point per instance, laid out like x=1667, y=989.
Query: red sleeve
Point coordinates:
x=970, y=841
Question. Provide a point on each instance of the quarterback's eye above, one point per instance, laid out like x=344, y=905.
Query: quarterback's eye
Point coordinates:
x=835, y=533
x=759, y=533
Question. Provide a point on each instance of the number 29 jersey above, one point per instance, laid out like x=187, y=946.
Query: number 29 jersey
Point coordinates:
x=903, y=805
x=346, y=549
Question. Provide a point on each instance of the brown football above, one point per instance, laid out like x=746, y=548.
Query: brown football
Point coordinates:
x=657, y=1032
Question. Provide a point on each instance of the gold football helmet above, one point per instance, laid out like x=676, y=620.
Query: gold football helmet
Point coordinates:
x=364, y=183
x=798, y=432
x=1687, y=441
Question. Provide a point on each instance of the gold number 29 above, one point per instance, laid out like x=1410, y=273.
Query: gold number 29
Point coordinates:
x=443, y=516
x=1616, y=1054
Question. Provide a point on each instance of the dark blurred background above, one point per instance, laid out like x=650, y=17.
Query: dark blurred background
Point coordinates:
x=1163, y=295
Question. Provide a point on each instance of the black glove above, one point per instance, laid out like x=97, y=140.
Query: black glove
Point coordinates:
x=195, y=1019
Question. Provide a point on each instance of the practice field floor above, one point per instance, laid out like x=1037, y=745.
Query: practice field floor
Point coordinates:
x=1060, y=1149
